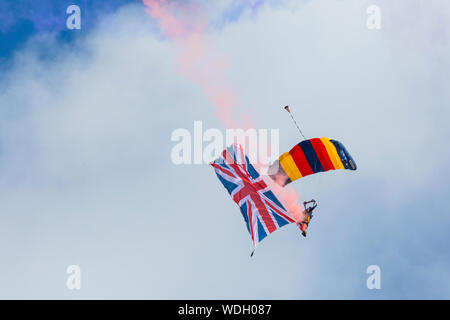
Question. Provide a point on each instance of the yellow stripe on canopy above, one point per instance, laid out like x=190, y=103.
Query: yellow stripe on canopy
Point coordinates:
x=288, y=164
x=331, y=149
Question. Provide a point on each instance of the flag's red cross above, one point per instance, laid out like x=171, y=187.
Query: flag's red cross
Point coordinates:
x=250, y=188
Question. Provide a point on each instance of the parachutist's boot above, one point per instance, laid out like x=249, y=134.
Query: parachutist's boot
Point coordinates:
x=304, y=233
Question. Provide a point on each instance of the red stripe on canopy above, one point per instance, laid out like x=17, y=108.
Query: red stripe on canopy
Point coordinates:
x=300, y=160
x=322, y=154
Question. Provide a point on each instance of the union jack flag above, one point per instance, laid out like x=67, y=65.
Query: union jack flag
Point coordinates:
x=262, y=211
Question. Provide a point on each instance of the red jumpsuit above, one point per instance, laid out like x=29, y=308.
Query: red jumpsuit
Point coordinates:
x=304, y=224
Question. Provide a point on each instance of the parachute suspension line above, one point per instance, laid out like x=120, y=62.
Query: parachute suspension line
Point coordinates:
x=295, y=122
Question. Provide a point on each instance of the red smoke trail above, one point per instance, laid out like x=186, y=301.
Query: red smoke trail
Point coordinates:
x=185, y=25
x=288, y=197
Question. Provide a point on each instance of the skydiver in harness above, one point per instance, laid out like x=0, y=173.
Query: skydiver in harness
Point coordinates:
x=308, y=211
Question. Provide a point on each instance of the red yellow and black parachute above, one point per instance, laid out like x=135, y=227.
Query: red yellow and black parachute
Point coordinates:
x=310, y=157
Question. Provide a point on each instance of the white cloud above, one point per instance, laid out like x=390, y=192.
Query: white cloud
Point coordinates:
x=86, y=176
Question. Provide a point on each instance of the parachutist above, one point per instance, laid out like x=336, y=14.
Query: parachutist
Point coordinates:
x=308, y=212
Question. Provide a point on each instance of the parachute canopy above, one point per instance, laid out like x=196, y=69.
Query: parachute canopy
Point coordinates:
x=309, y=157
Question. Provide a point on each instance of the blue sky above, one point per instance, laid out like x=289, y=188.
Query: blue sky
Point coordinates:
x=20, y=20
x=86, y=178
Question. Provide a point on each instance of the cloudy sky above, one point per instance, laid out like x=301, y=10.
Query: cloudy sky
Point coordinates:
x=86, y=176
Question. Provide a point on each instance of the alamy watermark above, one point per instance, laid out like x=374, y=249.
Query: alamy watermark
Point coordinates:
x=374, y=18
x=201, y=146
x=74, y=20
x=73, y=281
x=374, y=280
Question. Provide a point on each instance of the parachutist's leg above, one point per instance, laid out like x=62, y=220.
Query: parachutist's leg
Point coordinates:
x=303, y=227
